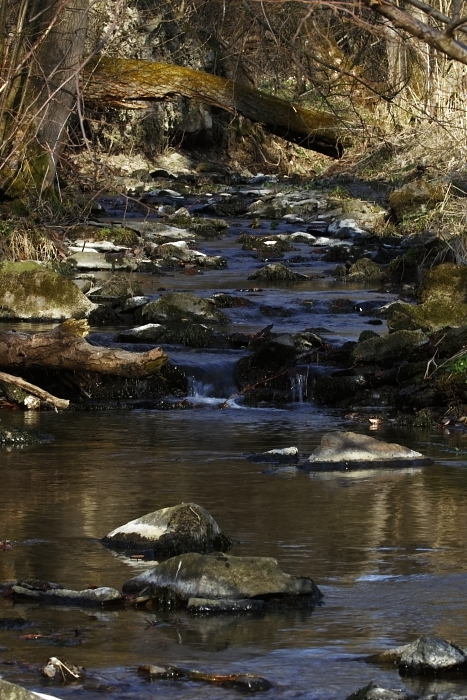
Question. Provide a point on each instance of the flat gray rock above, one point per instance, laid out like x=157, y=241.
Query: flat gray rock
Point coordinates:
x=347, y=450
x=64, y=596
x=221, y=577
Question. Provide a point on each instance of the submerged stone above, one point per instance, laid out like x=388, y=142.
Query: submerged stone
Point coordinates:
x=64, y=596
x=170, y=531
x=218, y=577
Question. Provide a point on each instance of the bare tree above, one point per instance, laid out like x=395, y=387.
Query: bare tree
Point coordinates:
x=41, y=55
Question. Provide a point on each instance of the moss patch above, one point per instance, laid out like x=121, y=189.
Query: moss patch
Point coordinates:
x=40, y=294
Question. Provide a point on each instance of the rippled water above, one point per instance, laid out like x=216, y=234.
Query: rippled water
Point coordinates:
x=387, y=548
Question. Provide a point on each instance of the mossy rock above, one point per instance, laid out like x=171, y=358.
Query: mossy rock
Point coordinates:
x=22, y=266
x=415, y=198
x=41, y=295
x=276, y=272
x=204, y=228
x=444, y=283
x=402, y=270
x=117, y=287
x=182, y=306
x=393, y=347
x=430, y=316
x=365, y=269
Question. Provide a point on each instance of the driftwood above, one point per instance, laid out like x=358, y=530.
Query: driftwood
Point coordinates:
x=64, y=348
x=34, y=390
x=126, y=82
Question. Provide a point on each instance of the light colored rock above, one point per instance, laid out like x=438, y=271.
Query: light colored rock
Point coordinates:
x=186, y=527
x=285, y=451
x=65, y=596
x=41, y=295
x=93, y=260
x=339, y=447
x=11, y=691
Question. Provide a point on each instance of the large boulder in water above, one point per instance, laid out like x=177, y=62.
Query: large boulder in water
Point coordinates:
x=170, y=531
x=40, y=294
x=196, y=576
x=342, y=451
x=426, y=655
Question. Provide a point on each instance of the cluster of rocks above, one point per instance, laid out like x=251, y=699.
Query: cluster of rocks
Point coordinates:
x=192, y=571
x=346, y=451
x=404, y=370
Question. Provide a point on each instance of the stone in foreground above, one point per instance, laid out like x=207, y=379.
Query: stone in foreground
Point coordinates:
x=374, y=692
x=342, y=451
x=11, y=691
x=425, y=656
x=165, y=533
x=221, y=577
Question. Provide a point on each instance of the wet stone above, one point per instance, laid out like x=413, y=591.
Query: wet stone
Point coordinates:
x=170, y=531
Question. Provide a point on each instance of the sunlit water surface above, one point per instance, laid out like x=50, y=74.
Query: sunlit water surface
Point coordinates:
x=387, y=548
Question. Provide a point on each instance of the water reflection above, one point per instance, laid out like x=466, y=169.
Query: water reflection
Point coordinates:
x=387, y=548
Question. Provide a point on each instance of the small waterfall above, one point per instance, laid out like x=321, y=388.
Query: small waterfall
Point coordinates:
x=299, y=383
x=210, y=376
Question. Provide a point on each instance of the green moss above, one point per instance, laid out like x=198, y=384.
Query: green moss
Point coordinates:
x=40, y=294
x=445, y=283
x=430, y=316
x=206, y=228
x=22, y=266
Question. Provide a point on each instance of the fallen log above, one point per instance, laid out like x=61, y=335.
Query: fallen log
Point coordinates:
x=125, y=83
x=65, y=348
x=34, y=390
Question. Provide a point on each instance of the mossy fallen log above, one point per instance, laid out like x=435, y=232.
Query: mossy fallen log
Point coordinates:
x=126, y=82
x=65, y=348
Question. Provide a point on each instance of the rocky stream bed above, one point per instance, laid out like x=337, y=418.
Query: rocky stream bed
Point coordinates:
x=284, y=312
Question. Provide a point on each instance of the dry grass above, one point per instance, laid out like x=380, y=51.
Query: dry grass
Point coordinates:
x=18, y=242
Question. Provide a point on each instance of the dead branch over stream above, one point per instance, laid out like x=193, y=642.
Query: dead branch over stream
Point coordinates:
x=65, y=348
x=125, y=82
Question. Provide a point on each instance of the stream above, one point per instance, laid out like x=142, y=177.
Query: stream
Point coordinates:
x=387, y=548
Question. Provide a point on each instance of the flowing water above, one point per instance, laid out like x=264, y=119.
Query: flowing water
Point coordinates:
x=387, y=548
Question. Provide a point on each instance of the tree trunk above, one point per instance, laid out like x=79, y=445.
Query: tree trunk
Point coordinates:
x=40, y=56
x=64, y=348
x=125, y=82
